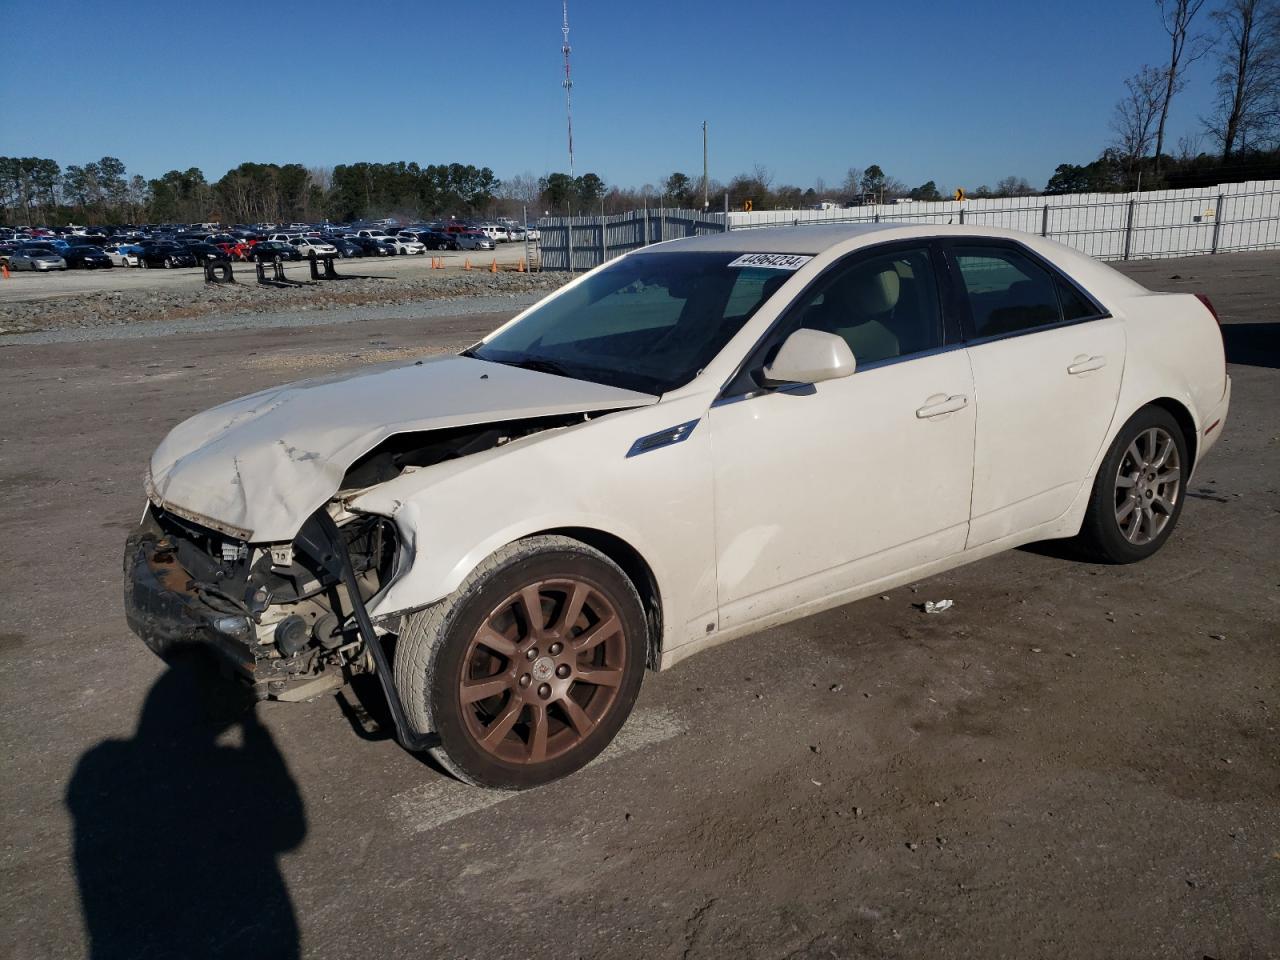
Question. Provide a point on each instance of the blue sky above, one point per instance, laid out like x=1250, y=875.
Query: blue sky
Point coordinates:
x=961, y=93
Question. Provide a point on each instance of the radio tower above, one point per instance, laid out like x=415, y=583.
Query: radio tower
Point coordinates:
x=568, y=82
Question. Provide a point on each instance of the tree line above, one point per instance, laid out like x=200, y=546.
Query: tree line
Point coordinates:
x=37, y=190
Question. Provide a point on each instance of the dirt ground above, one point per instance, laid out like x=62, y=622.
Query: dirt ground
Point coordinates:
x=1075, y=761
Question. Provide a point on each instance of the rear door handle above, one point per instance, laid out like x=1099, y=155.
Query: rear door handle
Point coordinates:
x=941, y=404
x=1086, y=364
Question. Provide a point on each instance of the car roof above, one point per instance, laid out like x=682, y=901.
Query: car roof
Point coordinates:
x=814, y=239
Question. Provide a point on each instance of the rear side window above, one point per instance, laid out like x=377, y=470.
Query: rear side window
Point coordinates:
x=1074, y=305
x=1007, y=292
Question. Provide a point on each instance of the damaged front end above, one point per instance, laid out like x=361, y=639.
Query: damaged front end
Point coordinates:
x=280, y=615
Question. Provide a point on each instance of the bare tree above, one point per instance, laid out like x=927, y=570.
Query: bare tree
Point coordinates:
x=1188, y=148
x=852, y=185
x=1184, y=49
x=1247, y=109
x=1136, y=114
x=1013, y=186
x=763, y=174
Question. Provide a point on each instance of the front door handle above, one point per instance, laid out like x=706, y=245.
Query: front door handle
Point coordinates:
x=1086, y=364
x=940, y=404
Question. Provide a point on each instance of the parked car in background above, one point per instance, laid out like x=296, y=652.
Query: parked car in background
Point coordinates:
x=87, y=257
x=274, y=251
x=237, y=250
x=346, y=248
x=314, y=247
x=167, y=255
x=372, y=234
x=208, y=252
x=474, y=240
x=370, y=247
x=516, y=233
x=36, y=258
x=407, y=247
x=436, y=240
x=495, y=232
x=123, y=254
x=532, y=232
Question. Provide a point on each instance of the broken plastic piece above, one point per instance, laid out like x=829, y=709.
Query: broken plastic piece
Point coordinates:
x=937, y=606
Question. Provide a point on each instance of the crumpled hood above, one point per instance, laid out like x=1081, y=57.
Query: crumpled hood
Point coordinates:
x=260, y=465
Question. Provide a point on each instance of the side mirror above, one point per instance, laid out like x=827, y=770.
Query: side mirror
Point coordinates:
x=810, y=356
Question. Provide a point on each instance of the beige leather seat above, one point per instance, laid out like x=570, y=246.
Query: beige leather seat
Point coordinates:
x=856, y=308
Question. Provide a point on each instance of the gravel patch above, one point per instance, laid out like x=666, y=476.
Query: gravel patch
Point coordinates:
x=150, y=313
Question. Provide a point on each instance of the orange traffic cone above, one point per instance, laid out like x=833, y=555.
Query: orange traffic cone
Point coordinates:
x=520, y=268
x=5, y=267
x=467, y=264
x=493, y=267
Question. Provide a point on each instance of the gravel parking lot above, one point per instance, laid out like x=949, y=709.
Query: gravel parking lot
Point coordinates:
x=25, y=286
x=1074, y=761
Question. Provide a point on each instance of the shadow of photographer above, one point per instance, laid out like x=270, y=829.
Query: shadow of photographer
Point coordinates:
x=178, y=829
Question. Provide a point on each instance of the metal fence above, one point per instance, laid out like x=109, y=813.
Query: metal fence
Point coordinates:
x=1167, y=223
x=580, y=243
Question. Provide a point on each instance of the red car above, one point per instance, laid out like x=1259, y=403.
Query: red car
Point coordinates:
x=236, y=251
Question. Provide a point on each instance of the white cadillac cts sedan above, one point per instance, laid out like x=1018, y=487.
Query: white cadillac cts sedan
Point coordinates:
x=697, y=440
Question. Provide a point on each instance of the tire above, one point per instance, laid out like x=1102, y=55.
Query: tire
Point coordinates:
x=277, y=259
x=1139, y=491
x=440, y=649
x=168, y=263
x=145, y=263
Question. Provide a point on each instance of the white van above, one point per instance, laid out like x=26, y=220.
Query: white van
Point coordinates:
x=496, y=233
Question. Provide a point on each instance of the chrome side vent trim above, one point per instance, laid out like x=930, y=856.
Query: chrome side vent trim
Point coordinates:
x=663, y=438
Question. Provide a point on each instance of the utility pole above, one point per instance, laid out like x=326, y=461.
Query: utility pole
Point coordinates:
x=568, y=82
x=705, y=184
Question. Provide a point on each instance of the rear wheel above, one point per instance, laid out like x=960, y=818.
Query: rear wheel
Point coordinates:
x=168, y=263
x=530, y=668
x=1139, y=490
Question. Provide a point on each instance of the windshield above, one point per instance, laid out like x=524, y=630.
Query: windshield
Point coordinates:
x=646, y=323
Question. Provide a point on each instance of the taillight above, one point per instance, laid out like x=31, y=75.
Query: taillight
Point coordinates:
x=1209, y=306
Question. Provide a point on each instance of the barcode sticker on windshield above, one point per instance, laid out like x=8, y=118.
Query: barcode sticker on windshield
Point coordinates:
x=771, y=261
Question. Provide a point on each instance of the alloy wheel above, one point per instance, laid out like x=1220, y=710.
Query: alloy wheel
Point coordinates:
x=1148, y=485
x=542, y=671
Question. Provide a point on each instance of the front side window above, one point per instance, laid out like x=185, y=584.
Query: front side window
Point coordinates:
x=1008, y=292
x=884, y=306
x=648, y=322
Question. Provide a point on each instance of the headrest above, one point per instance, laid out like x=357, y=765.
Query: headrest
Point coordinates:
x=870, y=291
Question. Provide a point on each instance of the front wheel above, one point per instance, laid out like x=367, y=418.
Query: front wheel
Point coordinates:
x=530, y=668
x=1139, y=490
